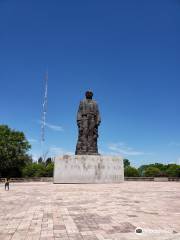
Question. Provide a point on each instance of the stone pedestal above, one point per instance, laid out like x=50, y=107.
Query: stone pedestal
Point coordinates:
x=88, y=169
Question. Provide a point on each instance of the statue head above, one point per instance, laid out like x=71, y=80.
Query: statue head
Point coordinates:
x=89, y=94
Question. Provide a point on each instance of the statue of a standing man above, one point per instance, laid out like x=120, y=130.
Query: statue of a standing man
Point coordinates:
x=88, y=120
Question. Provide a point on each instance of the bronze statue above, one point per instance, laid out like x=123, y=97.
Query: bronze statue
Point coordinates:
x=88, y=120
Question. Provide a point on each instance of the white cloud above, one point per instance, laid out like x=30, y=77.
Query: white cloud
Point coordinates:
x=53, y=126
x=176, y=144
x=123, y=149
x=55, y=151
x=32, y=140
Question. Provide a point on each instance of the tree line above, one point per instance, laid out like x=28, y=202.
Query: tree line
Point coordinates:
x=151, y=170
x=16, y=162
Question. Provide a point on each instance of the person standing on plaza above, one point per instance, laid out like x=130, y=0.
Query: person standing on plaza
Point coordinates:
x=7, y=184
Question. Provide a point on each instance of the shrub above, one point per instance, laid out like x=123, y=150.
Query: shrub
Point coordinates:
x=173, y=170
x=38, y=170
x=34, y=170
x=49, y=170
x=131, y=172
x=152, y=172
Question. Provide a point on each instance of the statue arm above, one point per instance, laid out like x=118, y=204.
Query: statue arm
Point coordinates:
x=79, y=113
x=98, y=115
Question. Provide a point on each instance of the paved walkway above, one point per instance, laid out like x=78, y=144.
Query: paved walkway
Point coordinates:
x=46, y=211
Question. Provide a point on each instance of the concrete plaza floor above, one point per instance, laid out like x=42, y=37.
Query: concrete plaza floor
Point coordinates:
x=34, y=211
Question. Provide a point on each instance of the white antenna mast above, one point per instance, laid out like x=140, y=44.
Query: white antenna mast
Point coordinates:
x=44, y=108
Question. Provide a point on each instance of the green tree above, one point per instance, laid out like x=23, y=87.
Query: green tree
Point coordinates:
x=131, y=172
x=152, y=172
x=142, y=169
x=13, y=152
x=162, y=167
x=49, y=169
x=173, y=170
x=34, y=170
x=40, y=160
x=126, y=162
x=48, y=161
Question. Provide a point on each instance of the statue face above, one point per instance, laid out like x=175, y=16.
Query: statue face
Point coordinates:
x=89, y=95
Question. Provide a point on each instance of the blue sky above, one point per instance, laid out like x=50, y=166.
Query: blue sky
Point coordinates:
x=127, y=52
